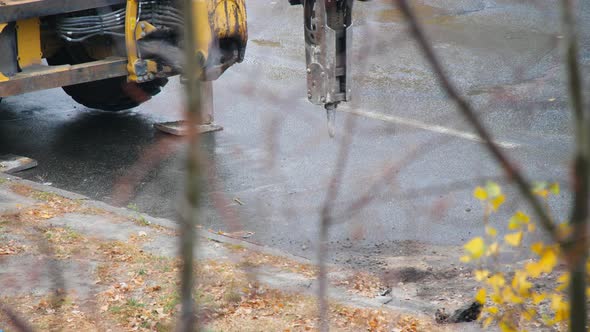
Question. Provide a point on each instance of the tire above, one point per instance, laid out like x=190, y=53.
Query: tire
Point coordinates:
x=112, y=94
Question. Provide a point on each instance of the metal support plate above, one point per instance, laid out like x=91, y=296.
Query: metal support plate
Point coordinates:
x=12, y=163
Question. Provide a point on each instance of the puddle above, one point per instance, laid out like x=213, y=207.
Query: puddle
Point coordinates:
x=268, y=43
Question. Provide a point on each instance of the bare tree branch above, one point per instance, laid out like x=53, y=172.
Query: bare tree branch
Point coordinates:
x=576, y=250
x=467, y=111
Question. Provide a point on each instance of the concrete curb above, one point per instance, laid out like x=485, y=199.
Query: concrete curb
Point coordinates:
x=166, y=223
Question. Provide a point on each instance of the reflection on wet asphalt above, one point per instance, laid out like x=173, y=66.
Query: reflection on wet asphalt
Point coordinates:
x=275, y=156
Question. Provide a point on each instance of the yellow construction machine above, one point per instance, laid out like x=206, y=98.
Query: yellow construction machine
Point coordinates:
x=112, y=54
x=115, y=54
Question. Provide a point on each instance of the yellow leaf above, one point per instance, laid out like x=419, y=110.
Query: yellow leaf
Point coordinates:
x=537, y=248
x=513, y=239
x=505, y=327
x=538, y=298
x=481, y=296
x=534, y=269
x=554, y=188
x=548, y=321
x=481, y=274
x=497, y=298
x=548, y=260
x=560, y=307
x=492, y=310
x=496, y=281
x=475, y=247
x=538, y=186
x=493, y=189
x=529, y=314
x=531, y=227
x=564, y=230
x=563, y=281
x=509, y=296
x=493, y=249
x=516, y=279
x=497, y=202
x=522, y=217
x=465, y=259
x=491, y=231
x=561, y=315
x=517, y=220
x=488, y=322
x=521, y=284
x=513, y=224
x=480, y=193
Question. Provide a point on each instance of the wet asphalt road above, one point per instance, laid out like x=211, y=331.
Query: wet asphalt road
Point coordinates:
x=269, y=167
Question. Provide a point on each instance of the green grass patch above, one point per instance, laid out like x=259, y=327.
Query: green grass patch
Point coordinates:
x=44, y=196
x=135, y=303
x=141, y=221
x=236, y=247
x=133, y=206
x=116, y=309
x=171, y=301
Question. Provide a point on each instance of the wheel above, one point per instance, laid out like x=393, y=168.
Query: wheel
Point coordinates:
x=112, y=94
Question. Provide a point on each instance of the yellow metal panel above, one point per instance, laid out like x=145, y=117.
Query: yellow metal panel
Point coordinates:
x=218, y=19
x=212, y=20
x=142, y=29
x=2, y=77
x=28, y=39
x=229, y=18
x=130, y=42
x=203, y=36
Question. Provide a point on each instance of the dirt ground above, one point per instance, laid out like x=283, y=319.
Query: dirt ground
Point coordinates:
x=69, y=263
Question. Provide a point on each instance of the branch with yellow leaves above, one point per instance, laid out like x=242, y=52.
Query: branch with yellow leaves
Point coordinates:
x=576, y=246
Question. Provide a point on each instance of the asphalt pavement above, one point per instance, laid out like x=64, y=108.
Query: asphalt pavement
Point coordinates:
x=269, y=169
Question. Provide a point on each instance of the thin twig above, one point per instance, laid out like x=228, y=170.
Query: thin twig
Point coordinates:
x=363, y=201
x=326, y=220
x=467, y=111
x=387, y=176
